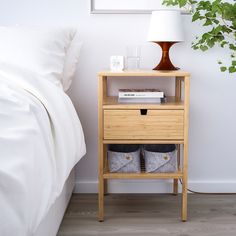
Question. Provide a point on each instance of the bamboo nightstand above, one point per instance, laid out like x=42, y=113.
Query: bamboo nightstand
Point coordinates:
x=165, y=123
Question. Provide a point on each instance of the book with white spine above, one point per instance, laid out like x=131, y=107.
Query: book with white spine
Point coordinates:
x=140, y=93
x=142, y=100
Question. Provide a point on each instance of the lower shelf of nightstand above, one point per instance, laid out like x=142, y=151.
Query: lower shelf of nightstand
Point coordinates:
x=143, y=175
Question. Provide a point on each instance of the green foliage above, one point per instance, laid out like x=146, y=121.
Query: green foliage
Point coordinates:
x=219, y=20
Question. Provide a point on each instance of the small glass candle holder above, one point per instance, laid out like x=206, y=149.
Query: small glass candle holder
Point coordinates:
x=133, y=53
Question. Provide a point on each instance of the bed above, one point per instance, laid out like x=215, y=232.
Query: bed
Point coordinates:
x=51, y=222
x=41, y=137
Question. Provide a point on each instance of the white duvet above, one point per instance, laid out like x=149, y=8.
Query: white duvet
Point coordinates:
x=41, y=139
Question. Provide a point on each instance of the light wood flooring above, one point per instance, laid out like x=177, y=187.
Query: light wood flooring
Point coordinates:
x=150, y=215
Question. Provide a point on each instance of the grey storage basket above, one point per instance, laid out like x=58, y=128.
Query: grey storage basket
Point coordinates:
x=160, y=158
x=124, y=158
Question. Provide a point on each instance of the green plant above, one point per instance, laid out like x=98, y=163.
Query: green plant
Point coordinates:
x=219, y=20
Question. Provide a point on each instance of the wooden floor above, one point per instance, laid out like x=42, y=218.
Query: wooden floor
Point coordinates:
x=149, y=215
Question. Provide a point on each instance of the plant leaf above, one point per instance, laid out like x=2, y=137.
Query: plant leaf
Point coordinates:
x=223, y=68
x=182, y=3
x=196, y=16
x=208, y=22
x=203, y=48
x=232, y=69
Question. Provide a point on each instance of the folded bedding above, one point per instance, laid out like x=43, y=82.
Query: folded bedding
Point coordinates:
x=41, y=139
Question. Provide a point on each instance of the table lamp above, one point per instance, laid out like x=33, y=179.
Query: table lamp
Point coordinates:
x=165, y=30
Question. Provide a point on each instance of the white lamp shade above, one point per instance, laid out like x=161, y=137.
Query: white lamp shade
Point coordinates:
x=166, y=26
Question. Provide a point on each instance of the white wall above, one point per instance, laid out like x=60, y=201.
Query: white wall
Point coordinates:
x=212, y=158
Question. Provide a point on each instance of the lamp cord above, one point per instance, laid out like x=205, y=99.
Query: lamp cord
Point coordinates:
x=196, y=192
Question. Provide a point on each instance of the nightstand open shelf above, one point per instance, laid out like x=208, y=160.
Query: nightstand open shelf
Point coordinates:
x=165, y=123
x=172, y=103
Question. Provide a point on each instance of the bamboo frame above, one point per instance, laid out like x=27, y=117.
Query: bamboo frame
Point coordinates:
x=105, y=103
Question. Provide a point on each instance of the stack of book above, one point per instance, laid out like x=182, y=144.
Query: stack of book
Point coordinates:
x=141, y=96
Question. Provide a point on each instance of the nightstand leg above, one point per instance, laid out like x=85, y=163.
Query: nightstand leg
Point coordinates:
x=102, y=149
x=105, y=163
x=175, y=187
x=101, y=200
x=105, y=187
x=185, y=184
x=185, y=150
x=176, y=181
x=184, y=201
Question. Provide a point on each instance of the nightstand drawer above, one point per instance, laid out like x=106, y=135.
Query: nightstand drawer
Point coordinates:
x=143, y=124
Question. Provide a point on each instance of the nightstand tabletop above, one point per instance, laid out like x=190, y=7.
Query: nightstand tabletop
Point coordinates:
x=144, y=73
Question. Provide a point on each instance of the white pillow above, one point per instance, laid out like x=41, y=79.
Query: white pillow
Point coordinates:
x=42, y=50
x=71, y=61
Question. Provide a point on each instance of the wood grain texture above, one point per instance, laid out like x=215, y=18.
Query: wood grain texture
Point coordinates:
x=163, y=123
x=130, y=124
x=185, y=154
x=150, y=215
x=176, y=181
x=141, y=141
x=178, y=88
x=102, y=88
x=142, y=175
x=144, y=73
x=178, y=93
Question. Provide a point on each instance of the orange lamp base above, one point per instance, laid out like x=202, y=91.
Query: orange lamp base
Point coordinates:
x=165, y=63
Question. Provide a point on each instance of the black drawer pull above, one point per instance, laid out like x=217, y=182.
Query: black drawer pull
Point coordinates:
x=143, y=112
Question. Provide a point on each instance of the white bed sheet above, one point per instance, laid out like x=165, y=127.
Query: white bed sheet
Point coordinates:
x=41, y=139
